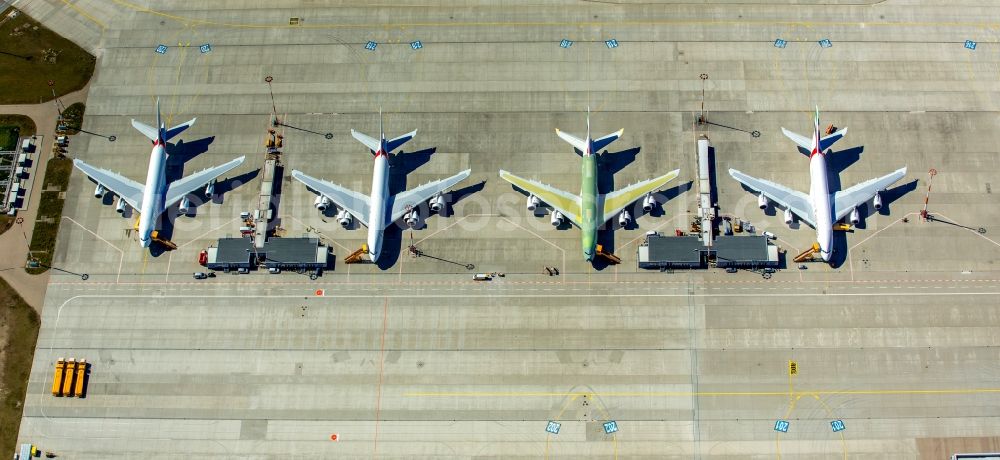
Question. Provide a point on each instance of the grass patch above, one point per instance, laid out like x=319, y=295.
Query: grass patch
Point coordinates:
x=43, y=239
x=57, y=173
x=31, y=55
x=8, y=137
x=73, y=117
x=6, y=222
x=22, y=122
x=19, y=324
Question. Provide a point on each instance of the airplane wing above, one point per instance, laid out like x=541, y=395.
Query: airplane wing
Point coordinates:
x=408, y=199
x=564, y=202
x=617, y=200
x=128, y=189
x=355, y=203
x=785, y=197
x=846, y=200
x=181, y=187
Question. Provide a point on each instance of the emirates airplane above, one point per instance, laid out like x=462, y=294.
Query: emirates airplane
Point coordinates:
x=820, y=209
x=379, y=209
x=156, y=195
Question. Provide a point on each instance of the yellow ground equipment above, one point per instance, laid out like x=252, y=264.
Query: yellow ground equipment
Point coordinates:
x=842, y=228
x=165, y=243
x=57, y=380
x=81, y=379
x=807, y=254
x=356, y=256
x=155, y=236
x=67, y=381
x=607, y=255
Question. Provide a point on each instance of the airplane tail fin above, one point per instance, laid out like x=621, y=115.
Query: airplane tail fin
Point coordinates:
x=159, y=132
x=159, y=118
x=828, y=140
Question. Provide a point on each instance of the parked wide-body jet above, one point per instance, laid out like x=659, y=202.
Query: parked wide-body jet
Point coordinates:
x=820, y=209
x=589, y=210
x=379, y=209
x=156, y=195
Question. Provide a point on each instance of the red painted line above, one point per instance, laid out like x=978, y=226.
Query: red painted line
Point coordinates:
x=381, y=366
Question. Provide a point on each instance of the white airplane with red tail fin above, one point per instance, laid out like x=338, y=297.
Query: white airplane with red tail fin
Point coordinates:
x=156, y=195
x=820, y=209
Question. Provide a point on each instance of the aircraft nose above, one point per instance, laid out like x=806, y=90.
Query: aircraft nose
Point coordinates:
x=588, y=256
x=826, y=255
x=145, y=242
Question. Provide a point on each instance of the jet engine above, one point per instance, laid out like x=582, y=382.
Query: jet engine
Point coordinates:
x=855, y=216
x=437, y=203
x=185, y=205
x=99, y=191
x=789, y=217
x=321, y=203
x=533, y=202
x=878, y=201
x=210, y=189
x=344, y=218
x=648, y=203
x=557, y=218
x=412, y=218
x=120, y=207
x=624, y=218
x=762, y=201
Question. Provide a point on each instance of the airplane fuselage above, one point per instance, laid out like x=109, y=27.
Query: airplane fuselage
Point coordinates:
x=379, y=195
x=588, y=203
x=154, y=194
x=819, y=193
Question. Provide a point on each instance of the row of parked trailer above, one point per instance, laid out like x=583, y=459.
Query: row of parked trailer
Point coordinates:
x=70, y=378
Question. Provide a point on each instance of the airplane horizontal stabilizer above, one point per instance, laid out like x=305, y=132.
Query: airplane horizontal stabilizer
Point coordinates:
x=827, y=141
x=152, y=133
x=803, y=142
x=602, y=142
x=393, y=144
x=579, y=144
x=177, y=129
x=368, y=141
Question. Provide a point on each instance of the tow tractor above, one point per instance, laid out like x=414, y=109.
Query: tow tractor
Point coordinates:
x=807, y=255
x=356, y=256
x=607, y=255
x=155, y=236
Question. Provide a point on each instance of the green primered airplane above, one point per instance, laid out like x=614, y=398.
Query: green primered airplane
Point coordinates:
x=590, y=210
